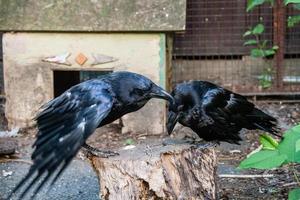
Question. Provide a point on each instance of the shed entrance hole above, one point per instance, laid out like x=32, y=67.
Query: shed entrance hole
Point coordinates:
x=63, y=80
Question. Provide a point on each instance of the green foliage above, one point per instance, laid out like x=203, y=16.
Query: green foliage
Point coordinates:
x=247, y=33
x=257, y=53
x=258, y=29
x=290, y=145
x=265, y=80
x=294, y=194
x=268, y=142
x=251, y=4
x=293, y=20
x=275, y=154
x=129, y=141
x=261, y=50
x=264, y=159
x=291, y=1
x=250, y=42
x=287, y=151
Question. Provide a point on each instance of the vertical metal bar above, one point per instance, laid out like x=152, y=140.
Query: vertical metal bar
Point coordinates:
x=169, y=64
x=279, y=35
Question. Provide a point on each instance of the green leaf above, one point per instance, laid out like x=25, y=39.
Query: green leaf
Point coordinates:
x=291, y=1
x=289, y=146
x=250, y=42
x=247, y=33
x=269, y=52
x=129, y=141
x=264, y=44
x=268, y=142
x=275, y=47
x=265, y=81
x=264, y=159
x=293, y=20
x=258, y=29
x=253, y=3
x=265, y=84
x=257, y=53
x=294, y=194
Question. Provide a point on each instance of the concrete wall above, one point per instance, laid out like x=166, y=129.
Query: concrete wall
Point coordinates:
x=29, y=81
x=92, y=15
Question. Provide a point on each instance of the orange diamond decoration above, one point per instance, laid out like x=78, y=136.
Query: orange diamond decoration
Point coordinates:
x=81, y=59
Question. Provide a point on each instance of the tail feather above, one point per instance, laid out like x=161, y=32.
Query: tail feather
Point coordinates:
x=263, y=121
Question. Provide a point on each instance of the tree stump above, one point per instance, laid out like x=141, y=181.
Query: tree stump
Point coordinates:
x=156, y=171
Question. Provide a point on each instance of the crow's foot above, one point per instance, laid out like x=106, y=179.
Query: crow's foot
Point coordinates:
x=185, y=140
x=205, y=144
x=99, y=152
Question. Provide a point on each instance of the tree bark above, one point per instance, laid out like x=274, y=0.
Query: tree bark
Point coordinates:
x=155, y=171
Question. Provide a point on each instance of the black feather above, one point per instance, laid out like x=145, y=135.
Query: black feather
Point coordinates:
x=65, y=123
x=216, y=114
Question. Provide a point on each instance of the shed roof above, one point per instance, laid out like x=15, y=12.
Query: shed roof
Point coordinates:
x=92, y=15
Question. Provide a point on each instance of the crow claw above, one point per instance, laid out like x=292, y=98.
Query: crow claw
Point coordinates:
x=205, y=145
x=99, y=152
x=103, y=154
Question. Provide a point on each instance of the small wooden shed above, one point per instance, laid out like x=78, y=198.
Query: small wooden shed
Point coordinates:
x=49, y=46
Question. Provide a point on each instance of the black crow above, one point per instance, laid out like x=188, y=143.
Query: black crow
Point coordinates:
x=65, y=123
x=216, y=114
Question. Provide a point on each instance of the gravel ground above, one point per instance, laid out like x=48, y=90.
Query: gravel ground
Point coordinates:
x=78, y=182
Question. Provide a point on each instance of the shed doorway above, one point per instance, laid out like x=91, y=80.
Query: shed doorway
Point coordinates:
x=63, y=80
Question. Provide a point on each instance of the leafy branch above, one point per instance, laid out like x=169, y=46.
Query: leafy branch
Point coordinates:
x=291, y=21
x=286, y=152
x=275, y=154
x=260, y=50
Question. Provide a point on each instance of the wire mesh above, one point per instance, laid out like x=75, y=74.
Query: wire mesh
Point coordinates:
x=212, y=47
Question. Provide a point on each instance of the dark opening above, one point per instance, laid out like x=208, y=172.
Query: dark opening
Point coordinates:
x=63, y=80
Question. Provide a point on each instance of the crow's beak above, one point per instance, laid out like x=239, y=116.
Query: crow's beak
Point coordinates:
x=160, y=93
x=172, y=120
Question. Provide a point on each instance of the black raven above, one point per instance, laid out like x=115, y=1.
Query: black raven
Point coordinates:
x=65, y=123
x=214, y=113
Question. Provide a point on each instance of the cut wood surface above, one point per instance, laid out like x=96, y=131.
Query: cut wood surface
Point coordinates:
x=156, y=171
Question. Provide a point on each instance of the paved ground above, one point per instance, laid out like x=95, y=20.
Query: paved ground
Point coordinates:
x=78, y=182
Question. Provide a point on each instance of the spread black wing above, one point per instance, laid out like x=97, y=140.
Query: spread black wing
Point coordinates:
x=231, y=112
x=63, y=126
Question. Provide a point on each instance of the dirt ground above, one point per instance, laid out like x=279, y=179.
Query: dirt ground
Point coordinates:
x=229, y=156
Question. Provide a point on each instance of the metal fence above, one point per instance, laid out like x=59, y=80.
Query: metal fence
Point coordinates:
x=212, y=47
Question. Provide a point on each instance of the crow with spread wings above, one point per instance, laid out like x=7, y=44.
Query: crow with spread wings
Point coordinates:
x=66, y=122
x=216, y=114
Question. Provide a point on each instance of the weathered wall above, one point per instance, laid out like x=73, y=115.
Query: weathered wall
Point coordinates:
x=29, y=81
x=92, y=15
